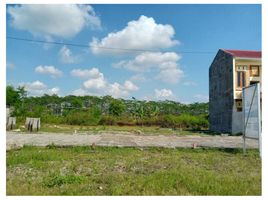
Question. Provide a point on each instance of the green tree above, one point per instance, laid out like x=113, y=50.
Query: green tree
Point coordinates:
x=12, y=96
x=22, y=92
x=116, y=107
x=77, y=103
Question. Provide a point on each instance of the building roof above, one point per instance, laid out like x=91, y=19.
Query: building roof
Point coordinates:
x=243, y=53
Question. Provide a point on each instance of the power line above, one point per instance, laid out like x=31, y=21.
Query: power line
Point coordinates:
x=108, y=48
x=46, y=42
x=75, y=45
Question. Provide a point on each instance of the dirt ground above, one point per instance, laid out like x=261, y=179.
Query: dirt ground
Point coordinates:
x=16, y=140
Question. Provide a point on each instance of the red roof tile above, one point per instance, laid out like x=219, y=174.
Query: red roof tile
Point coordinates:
x=244, y=54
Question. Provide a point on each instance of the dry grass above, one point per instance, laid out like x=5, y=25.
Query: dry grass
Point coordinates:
x=143, y=130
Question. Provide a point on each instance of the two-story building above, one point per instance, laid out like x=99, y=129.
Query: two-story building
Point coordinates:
x=230, y=71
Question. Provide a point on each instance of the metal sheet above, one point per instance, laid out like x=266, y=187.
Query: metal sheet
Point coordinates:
x=251, y=101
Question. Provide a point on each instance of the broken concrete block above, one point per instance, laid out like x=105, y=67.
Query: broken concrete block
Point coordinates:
x=11, y=123
x=32, y=124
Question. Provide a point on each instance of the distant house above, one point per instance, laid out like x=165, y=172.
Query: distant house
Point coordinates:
x=230, y=71
x=54, y=108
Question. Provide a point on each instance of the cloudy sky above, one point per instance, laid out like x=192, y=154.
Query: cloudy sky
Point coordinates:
x=151, y=52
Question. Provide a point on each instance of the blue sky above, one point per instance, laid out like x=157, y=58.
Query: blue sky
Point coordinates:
x=176, y=44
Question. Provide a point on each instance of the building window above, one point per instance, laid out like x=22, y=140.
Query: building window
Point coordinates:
x=241, y=79
x=239, y=106
x=241, y=67
x=254, y=70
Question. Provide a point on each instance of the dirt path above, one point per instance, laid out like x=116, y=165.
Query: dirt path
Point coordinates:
x=129, y=140
x=15, y=140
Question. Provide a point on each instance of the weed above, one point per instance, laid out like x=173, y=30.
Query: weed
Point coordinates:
x=58, y=180
x=51, y=146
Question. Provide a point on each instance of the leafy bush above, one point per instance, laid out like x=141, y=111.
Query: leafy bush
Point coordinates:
x=107, y=120
x=149, y=121
x=116, y=107
x=184, y=121
x=167, y=121
x=52, y=119
x=125, y=121
x=58, y=180
x=85, y=117
x=115, y=120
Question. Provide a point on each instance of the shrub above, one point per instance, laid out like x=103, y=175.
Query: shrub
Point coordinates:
x=116, y=107
x=183, y=121
x=58, y=180
x=107, y=120
x=167, y=121
x=196, y=122
x=113, y=120
x=85, y=117
x=148, y=121
x=52, y=119
x=125, y=121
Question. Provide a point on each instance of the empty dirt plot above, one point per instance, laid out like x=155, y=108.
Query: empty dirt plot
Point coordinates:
x=125, y=140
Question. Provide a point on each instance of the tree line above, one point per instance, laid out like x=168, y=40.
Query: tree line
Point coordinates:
x=106, y=110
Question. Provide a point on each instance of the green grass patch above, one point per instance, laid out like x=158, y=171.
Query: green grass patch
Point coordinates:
x=58, y=180
x=131, y=171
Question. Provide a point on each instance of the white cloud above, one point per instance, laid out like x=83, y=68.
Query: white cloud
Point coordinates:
x=80, y=92
x=60, y=20
x=166, y=64
x=128, y=85
x=143, y=33
x=117, y=90
x=170, y=75
x=66, y=56
x=138, y=78
x=163, y=93
x=38, y=88
x=87, y=73
x=147, y=60
x=52, y=91
x=36, y=85
x=102, y=86
x=98, y=85
x=201, y=97
x=50, y=70
x=95, y=83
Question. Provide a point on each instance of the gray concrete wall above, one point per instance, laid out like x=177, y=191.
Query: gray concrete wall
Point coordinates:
x=237, y=121
x=221, y=93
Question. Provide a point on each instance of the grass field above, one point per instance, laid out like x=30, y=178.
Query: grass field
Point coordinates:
x=145, y=130
x=132, y=171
